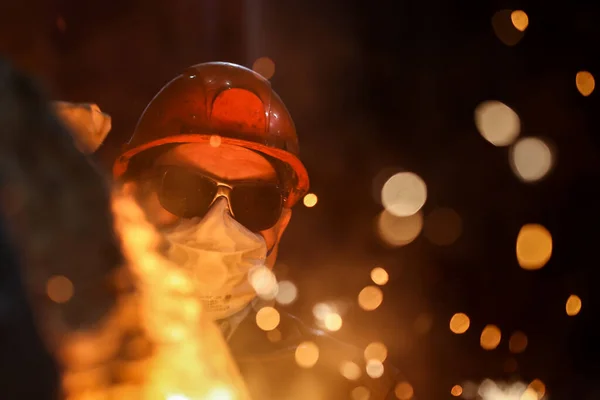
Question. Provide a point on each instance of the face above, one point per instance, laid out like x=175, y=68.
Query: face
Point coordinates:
x=227, y=163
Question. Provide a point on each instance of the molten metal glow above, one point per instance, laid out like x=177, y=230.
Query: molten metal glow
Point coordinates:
x=190, y=360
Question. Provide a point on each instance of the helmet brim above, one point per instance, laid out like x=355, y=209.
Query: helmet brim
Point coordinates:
x=299, y=189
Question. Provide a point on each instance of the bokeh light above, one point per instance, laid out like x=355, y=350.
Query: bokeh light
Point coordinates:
x=360, y=393
x=497, y=123
x=404, y=194
x=310, y=200
x=459, y=323
x=573, y=305
x=585, y=82
x=286, y=293
x=490, y=337
x=350, y=370
x=264, y=282
x=322, y=310
x=267, y=318
x=333, y=322
x=376, y=351
x=442, y=226
x=59, y=289
x=379, y=276
x=534, y=246
x=404, y=391
x=215, y=140
x=517, y=342
x=307, y=354
x=370, y=298
x=264, y=66
x=398, y=231
x=538, y=388
x=505, y=28
x=519, y=19
x=375, y=369
x=531, y=159
x=274, y=335
x=456, y=390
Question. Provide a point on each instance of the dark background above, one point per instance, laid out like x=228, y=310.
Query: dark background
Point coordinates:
x=373, y=85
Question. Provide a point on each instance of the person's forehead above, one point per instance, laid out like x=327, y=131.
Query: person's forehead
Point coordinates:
x=224, y=161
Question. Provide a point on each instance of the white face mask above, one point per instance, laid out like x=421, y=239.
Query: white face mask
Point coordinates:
x=220, y=252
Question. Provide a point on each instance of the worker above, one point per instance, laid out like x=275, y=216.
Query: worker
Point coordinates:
x=214, y=160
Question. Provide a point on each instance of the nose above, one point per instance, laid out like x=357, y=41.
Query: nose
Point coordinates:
x=223, y=196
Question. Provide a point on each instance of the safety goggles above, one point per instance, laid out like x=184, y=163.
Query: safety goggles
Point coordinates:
x=187, y=194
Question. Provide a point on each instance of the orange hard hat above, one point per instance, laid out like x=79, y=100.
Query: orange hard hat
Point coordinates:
x=225, y=100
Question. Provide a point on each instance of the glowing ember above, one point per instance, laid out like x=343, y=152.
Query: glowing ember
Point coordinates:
x=310, y=200
x=456, y=390
x=404, y=194
x=59, y=289
x=404, y=391
x=333, y=322
x=379, y=276
x=264, y=66
x=370, y=298
x=573, y=305
x=585, y=83
x=375, y=369
x=376, y=351
x=490, y=337
x=350, y=370
x=267, y=318
x=307, y=354
x=519, y=19
x=534, y=246
x=459, y=323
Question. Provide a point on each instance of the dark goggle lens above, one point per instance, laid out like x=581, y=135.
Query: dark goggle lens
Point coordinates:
x=186, y=194
x=257, y=206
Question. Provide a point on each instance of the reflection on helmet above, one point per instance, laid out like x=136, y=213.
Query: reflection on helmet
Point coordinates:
x=221, y=99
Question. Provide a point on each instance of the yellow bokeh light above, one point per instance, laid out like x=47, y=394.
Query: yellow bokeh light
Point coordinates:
x=379, y=276
x=534, y=246
x=519, y=19
x=404, y=391
x=322, y=310
x=333, y=322
x=404, y=194
x=274, y=335
x=585, y=82
x=531, y=159
x=573, y=305
x=360, y=393
x=264, y=66
x=497, y=123
x=376, y=351
x=443, y=226
x=220, y=393
x=538, y=388
x=375, y=369
x=215, y=140
x=459, y=323
x=307, y=354
x=310, y=200
x=286, y=293
x=350, y=370
x=456, y=390
x=59, y=289
x=370, y=298
x=517, y=343
x=267, y=318
x=399, y=231
x=490, y=337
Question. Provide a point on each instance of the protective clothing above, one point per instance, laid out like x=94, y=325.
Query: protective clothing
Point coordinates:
x=221, y=253
x=223, y=100
x=270, y=369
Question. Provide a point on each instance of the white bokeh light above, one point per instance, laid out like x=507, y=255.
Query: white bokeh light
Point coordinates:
x=531, y=159
x=497, y=123
x=404, y=194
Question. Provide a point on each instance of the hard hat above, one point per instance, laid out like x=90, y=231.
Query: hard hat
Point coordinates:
x=226, y=102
